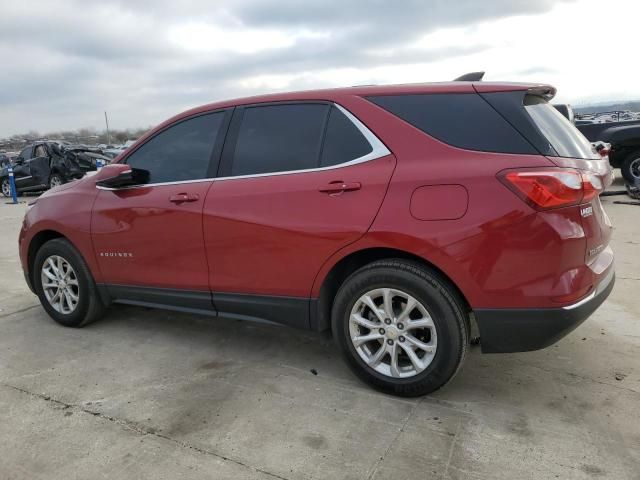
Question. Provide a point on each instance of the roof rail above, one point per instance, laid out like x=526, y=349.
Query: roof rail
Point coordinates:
x=470, y=77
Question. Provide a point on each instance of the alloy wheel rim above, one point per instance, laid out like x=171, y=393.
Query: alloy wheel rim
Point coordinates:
x=55, y=181
x=393, y=332
x=60, y=284
x=6, y=189
x=635, y=168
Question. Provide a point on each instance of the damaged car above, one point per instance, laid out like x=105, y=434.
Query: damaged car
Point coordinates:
x=47, y=164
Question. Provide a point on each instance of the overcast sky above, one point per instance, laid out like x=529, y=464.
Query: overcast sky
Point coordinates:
x=63, y=62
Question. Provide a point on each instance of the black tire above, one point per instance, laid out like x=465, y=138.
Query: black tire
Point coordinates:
x=6, y=187
x=443, y=304
x=630, y=168
x=89, y=306
x=55, y=180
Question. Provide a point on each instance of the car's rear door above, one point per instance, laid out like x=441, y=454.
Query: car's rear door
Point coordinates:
x=298, y=181
x=148, y=239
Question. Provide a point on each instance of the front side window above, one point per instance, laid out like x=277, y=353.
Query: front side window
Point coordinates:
x=181, y=152
x=26, y=153
x=278, y=138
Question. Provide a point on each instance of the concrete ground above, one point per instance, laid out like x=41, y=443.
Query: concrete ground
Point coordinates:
x=155, y=394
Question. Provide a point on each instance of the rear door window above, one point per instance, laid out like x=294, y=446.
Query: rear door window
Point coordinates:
x=278, y=138
x=343, y=141
x=463, y=120
x=563, y=136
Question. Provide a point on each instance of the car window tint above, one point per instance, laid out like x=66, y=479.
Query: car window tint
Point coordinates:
x=25, y=154
x=276, y=138
x=181, y=152
x=343, y=141
x=463, y=120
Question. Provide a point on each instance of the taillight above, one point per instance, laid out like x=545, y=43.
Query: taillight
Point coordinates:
x=546, y=189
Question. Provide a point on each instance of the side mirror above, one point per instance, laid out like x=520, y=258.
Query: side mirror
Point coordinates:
x=120, y=175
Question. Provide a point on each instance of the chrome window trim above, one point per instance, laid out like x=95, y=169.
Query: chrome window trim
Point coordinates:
x=147, y=185
x=378, y=150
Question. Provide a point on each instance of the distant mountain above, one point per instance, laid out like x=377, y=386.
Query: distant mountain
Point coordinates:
x=634, y=106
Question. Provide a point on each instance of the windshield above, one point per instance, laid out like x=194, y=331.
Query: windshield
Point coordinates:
x=563, y=136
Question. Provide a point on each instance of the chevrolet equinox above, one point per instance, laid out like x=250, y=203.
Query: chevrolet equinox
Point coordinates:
x=401, y=218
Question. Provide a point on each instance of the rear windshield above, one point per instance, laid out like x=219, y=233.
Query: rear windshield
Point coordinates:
x=563, y=136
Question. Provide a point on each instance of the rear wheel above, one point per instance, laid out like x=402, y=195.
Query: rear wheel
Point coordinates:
x=401, y=327
x=6, y=187
x=630, y=168
x=65, y=286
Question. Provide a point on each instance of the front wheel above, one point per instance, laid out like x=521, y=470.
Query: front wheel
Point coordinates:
x=6, y=187
x=64, y=284
x=630, y=168
x=401, y=327
x=56, y=180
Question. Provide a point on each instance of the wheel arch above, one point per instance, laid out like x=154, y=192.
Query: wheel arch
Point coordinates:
x=36, y=242
x=320, y=314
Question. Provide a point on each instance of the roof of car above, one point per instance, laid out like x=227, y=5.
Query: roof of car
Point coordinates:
x=334, y=94
x=366, y=90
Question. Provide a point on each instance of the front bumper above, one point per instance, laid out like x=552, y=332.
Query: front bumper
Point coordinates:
x=526, y=329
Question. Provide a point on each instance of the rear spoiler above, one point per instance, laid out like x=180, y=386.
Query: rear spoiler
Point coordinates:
x=470, y=77
x=545, y=91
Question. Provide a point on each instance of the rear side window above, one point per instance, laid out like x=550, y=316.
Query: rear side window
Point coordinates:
x=565, y=138
x=277, y=138
x=463, y=120
x=343, y=141
x=181, y=152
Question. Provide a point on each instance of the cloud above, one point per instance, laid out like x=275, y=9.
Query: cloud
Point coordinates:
x=65, y=62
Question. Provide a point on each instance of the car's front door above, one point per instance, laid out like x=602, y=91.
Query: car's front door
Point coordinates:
x=21, y=170
x=297, y=183
x=148, y=239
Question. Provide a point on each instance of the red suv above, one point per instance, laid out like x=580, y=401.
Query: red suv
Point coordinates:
x=401, y=218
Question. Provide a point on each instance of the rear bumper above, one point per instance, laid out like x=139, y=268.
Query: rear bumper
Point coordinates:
x=526, y=329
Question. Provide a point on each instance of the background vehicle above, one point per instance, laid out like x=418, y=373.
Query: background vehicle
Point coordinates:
x=399, y=217
x=616, y=128
x=624, y=138
x=7, y=158
x=566, y=111
x=44, y=165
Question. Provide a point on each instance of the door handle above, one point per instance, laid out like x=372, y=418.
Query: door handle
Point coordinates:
x=339, y=187
x=184, y=197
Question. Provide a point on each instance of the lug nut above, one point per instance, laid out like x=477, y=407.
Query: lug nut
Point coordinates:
x=401, y=338
x=387, y=321
x=381, y=331
x=400, y=326
x=390, y=342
